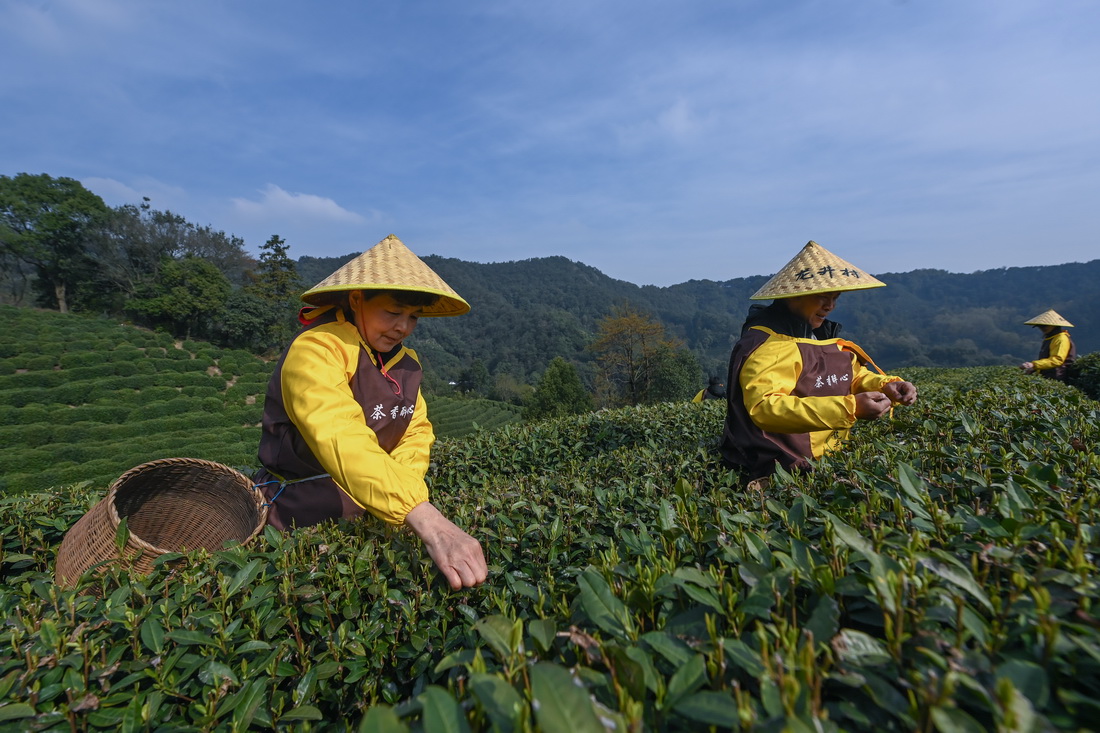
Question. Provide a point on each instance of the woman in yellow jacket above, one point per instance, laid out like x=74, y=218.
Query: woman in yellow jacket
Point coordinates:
x=795, y=388
x=1058, y=350
x=345, y=427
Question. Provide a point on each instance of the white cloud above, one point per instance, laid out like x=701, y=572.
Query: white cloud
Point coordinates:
x=278, y=205
x=162, y=196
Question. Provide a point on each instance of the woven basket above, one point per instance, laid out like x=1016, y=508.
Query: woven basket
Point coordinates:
x=170, y=505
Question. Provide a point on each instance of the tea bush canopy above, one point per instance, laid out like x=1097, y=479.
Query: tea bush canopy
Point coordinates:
x=937, y=574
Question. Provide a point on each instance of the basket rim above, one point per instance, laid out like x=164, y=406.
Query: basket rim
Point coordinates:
x=144, y=545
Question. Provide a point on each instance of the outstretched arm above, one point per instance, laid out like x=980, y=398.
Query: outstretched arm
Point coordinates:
x=457, y=555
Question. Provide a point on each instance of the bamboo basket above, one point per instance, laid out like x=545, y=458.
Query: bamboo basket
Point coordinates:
x=170, y=505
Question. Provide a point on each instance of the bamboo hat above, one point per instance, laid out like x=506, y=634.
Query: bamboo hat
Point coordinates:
x=390, y=265
x=1048, y=318
x=815, y=270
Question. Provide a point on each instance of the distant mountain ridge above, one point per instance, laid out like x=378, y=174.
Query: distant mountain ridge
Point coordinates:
x=526, y=312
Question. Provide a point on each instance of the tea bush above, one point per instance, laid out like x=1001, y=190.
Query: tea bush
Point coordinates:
x=1085, y=374
x=453, y=417
x=937, y=574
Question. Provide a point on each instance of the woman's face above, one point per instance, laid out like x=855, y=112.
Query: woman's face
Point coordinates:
x=813, y=309
x=382, y=321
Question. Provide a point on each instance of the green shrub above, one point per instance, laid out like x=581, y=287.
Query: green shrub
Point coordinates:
x=71, y=393
x=144, y=365
x=45, y=380
x=24, y=397
x=107, y=414
x=40, y=362
x=158, y=393
x=124, y=368
x=175, y=354
x=125, y=352
x=73, y=359
x=169, y=365
x=169, y=408
x=243, y=390
x=1085, y=374
x=199, y=391
x=27, y=415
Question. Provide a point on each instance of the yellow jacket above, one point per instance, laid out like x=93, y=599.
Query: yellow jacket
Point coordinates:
x=1059, y=348
x=373, y=442
x=780, y=393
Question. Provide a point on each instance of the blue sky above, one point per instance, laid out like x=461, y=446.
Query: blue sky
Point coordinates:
x=658, y=141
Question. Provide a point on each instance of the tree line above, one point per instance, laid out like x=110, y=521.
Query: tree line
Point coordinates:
x=62, y=248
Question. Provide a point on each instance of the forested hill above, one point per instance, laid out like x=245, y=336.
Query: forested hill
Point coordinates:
x=526, y=312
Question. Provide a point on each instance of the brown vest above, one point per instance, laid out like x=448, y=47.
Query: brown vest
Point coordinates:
x=826, y=372
x=287, y=459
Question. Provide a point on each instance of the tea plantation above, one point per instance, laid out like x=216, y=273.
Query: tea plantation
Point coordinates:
x=85, y=399
x=938, y=575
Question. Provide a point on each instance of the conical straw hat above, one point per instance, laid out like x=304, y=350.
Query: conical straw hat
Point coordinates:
x=390, y=265
x=1048, y=318
x=815, y=270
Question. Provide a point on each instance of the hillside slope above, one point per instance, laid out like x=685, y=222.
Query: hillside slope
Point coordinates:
x=527, y=312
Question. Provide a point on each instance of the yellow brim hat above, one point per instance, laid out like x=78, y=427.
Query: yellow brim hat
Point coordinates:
x=1048, y=318
x=390, y=265
x=815, y=270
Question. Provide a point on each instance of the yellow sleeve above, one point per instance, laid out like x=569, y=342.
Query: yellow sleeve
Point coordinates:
x=767, y=379
x=1059, y=350
x=319, y=401
x=866, y=380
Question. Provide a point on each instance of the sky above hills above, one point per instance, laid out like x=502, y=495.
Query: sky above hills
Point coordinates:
x=657, y=141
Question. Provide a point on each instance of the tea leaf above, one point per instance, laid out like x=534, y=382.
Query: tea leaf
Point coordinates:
x=382, y=719
x=441, y=712
x=303, y=712
x=954, y=720
x=686, y=680
x=602, y=606
x=152, y=635
x=543, y=631
x=15, y=711
x=498, y=699
x=950, y=570
x=711, y=708
x=498, y=632
x=561, y=702
x=122, y=535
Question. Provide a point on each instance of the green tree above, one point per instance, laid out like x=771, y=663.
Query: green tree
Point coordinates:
x=185, y=297
x=246, y=321
x=630, y=348
x=559, y=392
x=277, y=285
x=48, y=223
x=676, y=375
x=475, y=379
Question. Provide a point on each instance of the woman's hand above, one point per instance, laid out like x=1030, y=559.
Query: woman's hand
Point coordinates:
x=900, y=393
x=457, y=555
x=871, y=405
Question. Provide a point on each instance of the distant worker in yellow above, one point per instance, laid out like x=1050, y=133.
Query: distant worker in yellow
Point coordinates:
x=715, y=390
x=1058, y=350
x=795, y=388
